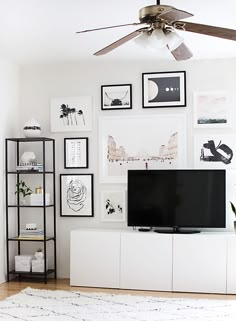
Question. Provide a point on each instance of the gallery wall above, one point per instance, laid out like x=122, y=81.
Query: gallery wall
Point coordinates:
x=8, y=127
x=40, y=83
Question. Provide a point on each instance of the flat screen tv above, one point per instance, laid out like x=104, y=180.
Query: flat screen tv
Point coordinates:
x=175, y=199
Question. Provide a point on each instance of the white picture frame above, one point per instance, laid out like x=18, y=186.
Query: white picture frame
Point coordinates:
x=70, y=114
x=211, y=109
x=214, y=151
x=147, y=141
x=113, y=205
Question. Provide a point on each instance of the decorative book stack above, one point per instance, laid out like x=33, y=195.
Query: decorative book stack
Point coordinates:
x=32, y=166
x=37, y=234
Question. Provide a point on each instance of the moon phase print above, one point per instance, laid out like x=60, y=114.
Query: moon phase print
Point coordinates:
x=164, y=89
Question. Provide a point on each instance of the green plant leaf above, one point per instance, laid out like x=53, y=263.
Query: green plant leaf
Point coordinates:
x=22, y=188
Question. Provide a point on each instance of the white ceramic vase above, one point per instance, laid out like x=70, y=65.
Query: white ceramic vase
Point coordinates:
x=32, y=128
x=28, y=157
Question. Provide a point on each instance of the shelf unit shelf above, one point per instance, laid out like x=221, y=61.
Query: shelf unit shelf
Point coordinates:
x=30, y=172
x=40, y=206
x=32, y=273
x=18, y=144
x=27, y=239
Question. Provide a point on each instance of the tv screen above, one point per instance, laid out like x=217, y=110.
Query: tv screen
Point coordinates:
x=176, y=198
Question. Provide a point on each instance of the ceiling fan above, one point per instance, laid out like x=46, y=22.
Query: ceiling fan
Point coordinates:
x=164, y=19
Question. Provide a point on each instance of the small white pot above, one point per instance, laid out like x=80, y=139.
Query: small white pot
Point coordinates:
x=32, y=128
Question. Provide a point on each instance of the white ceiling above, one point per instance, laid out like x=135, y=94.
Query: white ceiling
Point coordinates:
x=36, y=31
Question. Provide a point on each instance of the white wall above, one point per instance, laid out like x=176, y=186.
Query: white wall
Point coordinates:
x=40, y=83
x=8, y=128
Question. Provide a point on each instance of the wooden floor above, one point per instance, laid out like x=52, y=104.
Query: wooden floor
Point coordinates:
x=9, y=288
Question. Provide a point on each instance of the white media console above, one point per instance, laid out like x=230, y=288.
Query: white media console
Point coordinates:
x=127, y=259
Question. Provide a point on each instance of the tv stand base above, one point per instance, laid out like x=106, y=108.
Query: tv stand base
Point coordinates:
x=176, y=230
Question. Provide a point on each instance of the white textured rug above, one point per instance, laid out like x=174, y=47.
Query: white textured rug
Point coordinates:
x=44, y=305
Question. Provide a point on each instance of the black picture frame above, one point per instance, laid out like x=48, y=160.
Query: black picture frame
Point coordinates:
x=164, y=89
x=76, y=152
x=76, y=195
x=114, y=97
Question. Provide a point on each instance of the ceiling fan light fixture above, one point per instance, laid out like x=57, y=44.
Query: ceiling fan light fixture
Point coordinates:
x=152, y=40
x=142, y=40
x=157, y=39
x=173, y=40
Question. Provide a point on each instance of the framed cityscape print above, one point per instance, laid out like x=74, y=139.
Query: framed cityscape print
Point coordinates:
x=211, y=109
x=113, y=206
x=140, y=142
x=76, y=152
x=164, y=89
x=116, y=97
x=76, y=195
x=71, y=114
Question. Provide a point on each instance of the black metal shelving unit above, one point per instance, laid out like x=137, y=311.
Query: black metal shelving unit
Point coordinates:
x=18, y=142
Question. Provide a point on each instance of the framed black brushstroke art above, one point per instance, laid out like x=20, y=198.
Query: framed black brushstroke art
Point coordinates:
x=164, y=89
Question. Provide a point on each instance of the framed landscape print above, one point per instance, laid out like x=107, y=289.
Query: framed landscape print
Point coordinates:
x=76, y=193
x=71, y=114
x=214, y=151
x=113, y=206
x=211, y=109
x=76, y=152
x=116, y=97
x=164, y=89
x=140, y=142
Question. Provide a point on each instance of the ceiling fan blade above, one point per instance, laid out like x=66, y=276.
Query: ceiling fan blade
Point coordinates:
x=120, y=42
x=181, y=53
x=206, y=30
x=110, y=27
x=175, y=14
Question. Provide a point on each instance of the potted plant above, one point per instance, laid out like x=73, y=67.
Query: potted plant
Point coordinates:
x=233, y=208
x=23, y=190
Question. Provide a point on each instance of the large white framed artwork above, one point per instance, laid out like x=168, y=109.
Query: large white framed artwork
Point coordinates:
x=113, y=206
x=214, y=151
x=71, y=114
x=211, y=109
x=140, y=142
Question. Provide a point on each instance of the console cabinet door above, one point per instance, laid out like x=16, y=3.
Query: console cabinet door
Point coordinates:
x=199, y=263
x=146, y=261
x=231, y=264
x=95, y=258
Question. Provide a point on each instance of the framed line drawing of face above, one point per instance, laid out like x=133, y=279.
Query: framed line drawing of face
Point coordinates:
x=76, y=192
x=164, y=89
